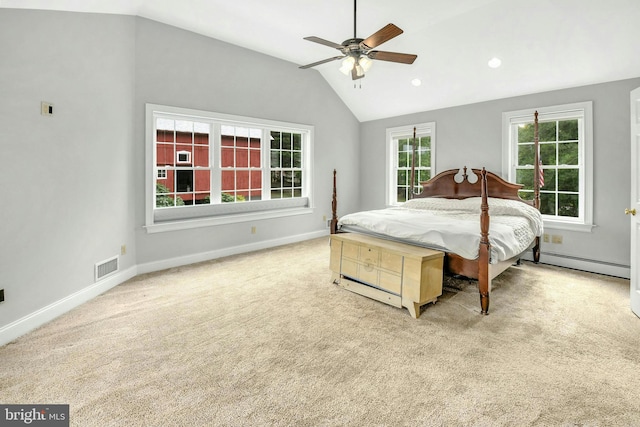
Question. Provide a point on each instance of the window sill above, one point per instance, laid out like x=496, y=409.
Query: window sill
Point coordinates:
x=568, y=226
x=176, y=225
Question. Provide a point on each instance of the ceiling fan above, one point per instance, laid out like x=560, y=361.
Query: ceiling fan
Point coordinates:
x=357, y=54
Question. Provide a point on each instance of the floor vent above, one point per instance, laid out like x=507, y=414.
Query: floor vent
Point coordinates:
x=106, y=268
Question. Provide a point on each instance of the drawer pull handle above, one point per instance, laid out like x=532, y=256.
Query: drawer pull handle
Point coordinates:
x=368, y=267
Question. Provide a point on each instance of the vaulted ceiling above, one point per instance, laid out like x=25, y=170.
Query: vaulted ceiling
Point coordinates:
x=543, y=45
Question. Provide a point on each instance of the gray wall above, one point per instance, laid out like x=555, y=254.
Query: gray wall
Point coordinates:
x=471, y=135
x=74, y=182
x=66, y=178
x=180, y=68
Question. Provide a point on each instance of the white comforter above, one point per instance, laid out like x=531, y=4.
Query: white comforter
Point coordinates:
x=453, y=225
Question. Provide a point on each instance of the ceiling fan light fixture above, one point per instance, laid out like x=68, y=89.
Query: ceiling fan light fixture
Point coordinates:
x=365, y=62
x=347, y=65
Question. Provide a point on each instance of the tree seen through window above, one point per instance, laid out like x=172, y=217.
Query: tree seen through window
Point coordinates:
x=559, y=146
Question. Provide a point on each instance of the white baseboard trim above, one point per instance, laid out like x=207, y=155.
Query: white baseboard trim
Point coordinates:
x=219, y=253
x=592, y=266
x=38, y=318
x=46, y=314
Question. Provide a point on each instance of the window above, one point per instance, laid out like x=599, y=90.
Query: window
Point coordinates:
x=212, y=168
x=184, y=183
x=405, y=153
x=286, y=164
x=565, y=147
x=241, y=164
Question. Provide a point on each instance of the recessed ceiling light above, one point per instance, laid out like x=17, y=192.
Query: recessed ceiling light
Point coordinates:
x=416, y=82
x=494, y=62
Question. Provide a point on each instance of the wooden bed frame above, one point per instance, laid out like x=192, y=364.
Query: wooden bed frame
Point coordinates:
x=487, y=184
x=445, y=185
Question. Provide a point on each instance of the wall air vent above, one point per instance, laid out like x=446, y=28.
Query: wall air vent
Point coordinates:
x=106, y=267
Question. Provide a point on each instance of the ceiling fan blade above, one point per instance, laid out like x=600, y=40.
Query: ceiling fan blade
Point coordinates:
x=324, y=42
x=335, y=58
x=384, y=34
x=404, y=58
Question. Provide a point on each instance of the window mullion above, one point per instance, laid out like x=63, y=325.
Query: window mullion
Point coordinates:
x=214, y=162
x=582, y=172
x=265, y=163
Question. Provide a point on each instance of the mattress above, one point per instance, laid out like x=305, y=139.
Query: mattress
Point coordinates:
x=453, y=225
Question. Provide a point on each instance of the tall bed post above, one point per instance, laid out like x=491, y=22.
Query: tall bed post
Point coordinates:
x=537, y=174
x=412, y=181
x=484, y=280
x=334, y=206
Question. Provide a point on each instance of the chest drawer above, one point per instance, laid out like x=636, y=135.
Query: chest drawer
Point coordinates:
x=369, y=256
x=371, y=265
x=361, y=254
x=391, y=261
x=367, y=273
x=350, y=250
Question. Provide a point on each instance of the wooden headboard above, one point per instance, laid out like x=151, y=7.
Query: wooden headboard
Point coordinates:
x=445, y=185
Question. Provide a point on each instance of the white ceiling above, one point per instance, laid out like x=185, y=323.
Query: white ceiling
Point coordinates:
x=543, y=44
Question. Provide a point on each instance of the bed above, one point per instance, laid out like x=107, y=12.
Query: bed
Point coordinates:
x=451, y=214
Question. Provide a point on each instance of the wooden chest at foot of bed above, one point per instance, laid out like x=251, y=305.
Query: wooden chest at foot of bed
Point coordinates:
x=394, y=273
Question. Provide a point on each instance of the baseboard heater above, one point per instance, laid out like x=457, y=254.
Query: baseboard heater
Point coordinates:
x=583, y=264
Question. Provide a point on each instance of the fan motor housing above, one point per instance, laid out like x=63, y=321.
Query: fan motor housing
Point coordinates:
x=352, y=44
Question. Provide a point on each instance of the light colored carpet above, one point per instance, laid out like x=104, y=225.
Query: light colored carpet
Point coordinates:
x=265, y=339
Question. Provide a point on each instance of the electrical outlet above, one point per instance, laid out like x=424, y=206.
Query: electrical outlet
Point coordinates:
x=1, y=295
x=123, y=250
x=545, y=238
x=556, y=238
x=253, y=230
x=46, y=109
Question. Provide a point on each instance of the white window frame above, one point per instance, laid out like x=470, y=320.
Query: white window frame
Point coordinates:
x=392, y=135
x=162, y=173
x=186, y=217
x=583, y=111
x=182, y=162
